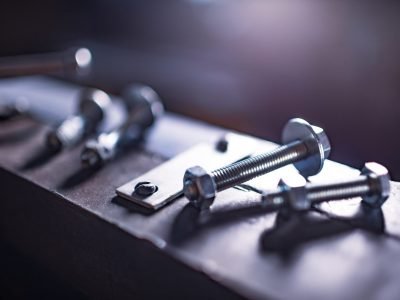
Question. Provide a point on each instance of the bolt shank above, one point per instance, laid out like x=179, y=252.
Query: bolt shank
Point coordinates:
x=248, y=169
x=357, y=187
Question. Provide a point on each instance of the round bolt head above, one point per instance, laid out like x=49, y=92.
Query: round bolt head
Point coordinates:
x=295, y=193
x=94, y=104
x=83, y=58
x=380, y=184
x=143, y=104
x=145, y=189
x=199, y=187
x=317, y=143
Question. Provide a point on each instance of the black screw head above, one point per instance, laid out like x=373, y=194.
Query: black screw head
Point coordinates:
x=222, y=144
x=145, y=189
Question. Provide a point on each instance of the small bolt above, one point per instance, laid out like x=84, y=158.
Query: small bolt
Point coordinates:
x=373, y=185
x=73, y=60
x=305, y=146
x=143, y=107
x=93, y=108
x=145, y=189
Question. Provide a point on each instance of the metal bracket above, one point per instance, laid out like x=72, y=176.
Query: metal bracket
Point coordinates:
x=166, y=179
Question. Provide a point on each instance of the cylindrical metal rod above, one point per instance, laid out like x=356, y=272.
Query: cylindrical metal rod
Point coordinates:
x=373, y=186
x=252, y=167
x=65, y=62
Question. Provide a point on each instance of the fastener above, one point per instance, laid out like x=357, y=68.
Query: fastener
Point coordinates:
x=305, y=145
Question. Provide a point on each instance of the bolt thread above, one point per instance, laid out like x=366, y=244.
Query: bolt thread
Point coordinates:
x=340, y=190
x=252, y=167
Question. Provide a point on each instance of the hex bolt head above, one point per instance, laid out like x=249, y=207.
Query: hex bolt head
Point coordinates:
x=199, y=187
x=316, y=141
x=379, y=181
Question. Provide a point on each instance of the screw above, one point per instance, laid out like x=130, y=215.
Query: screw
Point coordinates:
x=373, y=185
x=75, y=60
x=93, y=108
x=145, y=189
x=144, y=107
x=305, y=146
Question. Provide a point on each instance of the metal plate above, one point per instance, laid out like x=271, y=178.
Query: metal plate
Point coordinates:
x=168, y=176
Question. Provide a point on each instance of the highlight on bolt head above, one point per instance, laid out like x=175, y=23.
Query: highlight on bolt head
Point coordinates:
x=83, y=58
x=316, y=141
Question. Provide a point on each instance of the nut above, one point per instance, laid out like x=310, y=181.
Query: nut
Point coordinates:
x=295, y=192
x=199, y=187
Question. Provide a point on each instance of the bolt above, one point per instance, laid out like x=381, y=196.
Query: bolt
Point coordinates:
x=373, y=185
x=143, y=107
x=93, y=108
x=145, y=189
x=305, y=146
x=75, y=60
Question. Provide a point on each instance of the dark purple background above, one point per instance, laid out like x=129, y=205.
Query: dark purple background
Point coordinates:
x=247, y=65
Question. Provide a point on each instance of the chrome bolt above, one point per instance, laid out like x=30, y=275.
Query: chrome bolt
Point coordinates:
x=93, y=108
x=144, y=107
x=305, y=146
x=373, y=185
x=75, y=60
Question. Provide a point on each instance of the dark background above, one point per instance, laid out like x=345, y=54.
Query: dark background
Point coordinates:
x=246, y=65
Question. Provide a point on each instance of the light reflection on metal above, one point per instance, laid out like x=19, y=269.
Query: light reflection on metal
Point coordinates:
x=72, y=61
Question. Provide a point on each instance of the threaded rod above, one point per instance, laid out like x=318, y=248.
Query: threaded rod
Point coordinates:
x=250, y=168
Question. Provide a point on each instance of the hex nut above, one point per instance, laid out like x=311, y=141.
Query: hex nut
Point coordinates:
x=295, y=192
x=379, y=181
x=199, y=187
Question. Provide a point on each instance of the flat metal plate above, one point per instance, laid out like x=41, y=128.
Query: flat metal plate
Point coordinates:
x=168, y=176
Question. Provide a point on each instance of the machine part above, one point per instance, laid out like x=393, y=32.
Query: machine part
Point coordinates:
x=93, y=107
x=145, y=189
x=73, y=60
x=167, y=176
x=143, y=107
x=305, y=146
x=373, y=186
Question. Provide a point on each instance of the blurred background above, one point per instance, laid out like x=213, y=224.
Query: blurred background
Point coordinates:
x=245, y=65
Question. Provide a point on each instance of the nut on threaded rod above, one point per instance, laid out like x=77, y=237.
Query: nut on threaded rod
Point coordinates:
x=305, y=146
x=372, y=186
x=144, y=107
